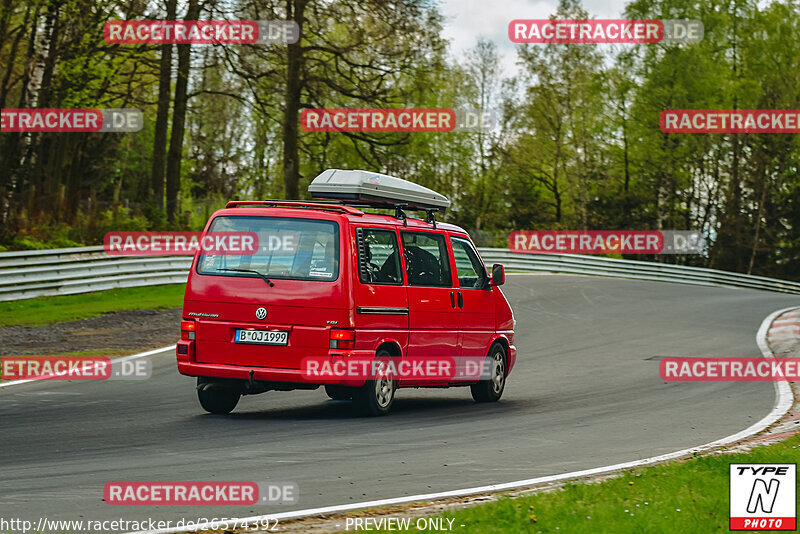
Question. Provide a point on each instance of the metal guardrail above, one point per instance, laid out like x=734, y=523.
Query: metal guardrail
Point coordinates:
x=637, y=270
x=39, y=273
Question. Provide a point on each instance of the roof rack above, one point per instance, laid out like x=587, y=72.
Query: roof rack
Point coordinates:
x=329, y=206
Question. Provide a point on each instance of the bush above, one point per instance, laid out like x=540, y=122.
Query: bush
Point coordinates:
x=86, y=230
x=57, y=235
x=32, y=243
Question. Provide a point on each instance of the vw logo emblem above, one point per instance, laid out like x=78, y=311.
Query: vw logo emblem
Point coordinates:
x=261, y=313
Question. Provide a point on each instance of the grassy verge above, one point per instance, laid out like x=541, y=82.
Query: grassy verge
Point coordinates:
x=46, y=310
x=687, y=496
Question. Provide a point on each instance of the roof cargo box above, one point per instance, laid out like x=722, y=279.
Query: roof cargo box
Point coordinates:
x=378, y=190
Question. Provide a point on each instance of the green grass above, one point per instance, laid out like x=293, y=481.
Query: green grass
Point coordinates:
x=687, y=496
x=46, y=310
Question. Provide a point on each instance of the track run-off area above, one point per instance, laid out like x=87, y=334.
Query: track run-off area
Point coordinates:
x=585, y=393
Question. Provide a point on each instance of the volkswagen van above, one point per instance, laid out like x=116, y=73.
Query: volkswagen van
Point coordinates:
x=338, y=285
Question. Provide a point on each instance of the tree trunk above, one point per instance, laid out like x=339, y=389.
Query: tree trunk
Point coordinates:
x=179, y=120
x=162, y=117
x=42, y=147
x=626, y=216
x=12, y=57
x=291, y=163
x=10, y=154
x=556, y=165
x=756, y=237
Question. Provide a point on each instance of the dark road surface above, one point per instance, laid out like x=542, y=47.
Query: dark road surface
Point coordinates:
x=585, y=393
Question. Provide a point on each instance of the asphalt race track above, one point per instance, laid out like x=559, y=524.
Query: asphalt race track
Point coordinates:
x=585, y=393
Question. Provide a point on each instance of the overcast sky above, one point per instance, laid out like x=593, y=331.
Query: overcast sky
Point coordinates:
x=466, y=20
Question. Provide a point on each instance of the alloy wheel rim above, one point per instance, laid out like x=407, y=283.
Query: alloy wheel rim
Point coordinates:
x=384, y=391
x=498, y=373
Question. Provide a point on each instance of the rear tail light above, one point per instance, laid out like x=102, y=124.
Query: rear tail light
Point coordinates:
x=187, y=329
x=343, y=339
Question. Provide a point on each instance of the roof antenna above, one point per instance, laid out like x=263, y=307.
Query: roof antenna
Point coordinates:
x=431, y=218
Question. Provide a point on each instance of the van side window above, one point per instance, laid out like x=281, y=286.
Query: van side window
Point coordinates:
x=427, y=260
x=378, y=256
x=471, y=272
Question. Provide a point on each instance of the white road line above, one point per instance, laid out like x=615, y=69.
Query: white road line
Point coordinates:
x=783, y=402
x=122, y=359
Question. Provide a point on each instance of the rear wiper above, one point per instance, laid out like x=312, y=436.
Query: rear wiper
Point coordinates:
x=260, y=275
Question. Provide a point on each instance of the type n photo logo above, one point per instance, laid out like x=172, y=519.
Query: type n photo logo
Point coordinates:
x=763, y=496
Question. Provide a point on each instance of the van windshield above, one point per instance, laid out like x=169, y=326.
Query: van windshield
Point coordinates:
x=288, y=249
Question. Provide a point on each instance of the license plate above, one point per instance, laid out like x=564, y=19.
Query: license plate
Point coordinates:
x=262, y=337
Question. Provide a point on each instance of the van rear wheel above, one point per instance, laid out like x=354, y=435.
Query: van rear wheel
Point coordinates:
x=339, y=392
x=494, y=371
x=376, y=397
x=216, y=399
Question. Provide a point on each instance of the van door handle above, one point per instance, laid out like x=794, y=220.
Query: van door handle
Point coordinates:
x=452, y=300
x=460, y=300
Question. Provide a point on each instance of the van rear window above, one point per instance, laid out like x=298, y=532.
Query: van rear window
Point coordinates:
x=288, y=249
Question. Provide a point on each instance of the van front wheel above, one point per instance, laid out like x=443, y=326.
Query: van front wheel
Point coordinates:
x=490, y=389
x=218, y=400
x=375, y=397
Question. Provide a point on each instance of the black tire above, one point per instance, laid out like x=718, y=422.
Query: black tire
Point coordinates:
x=216, y=399
x=376, y=397
x=339, y=392
x=494, y=368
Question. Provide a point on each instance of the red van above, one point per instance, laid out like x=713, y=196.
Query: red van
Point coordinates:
x=332, y=290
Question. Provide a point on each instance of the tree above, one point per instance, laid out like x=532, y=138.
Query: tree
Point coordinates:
x=162, y=115
x=175, y=152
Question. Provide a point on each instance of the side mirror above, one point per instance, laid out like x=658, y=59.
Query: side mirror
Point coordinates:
x=498, y=275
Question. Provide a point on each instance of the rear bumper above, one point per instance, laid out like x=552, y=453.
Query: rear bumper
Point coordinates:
x=266, y=374
x=187, y=366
